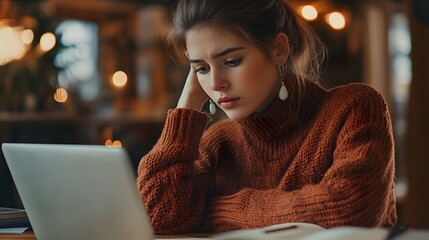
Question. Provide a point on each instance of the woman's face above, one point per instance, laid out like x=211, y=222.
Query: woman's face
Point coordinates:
x=235, y=74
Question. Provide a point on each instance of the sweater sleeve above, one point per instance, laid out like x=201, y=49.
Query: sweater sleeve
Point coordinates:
x=169, y=175
x=356, y=190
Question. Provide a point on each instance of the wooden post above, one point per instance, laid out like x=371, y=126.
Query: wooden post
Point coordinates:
x=416, y=208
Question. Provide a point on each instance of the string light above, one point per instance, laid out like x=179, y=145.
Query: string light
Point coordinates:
x=110, y=143
x=27, y=36
x=60, y=95
x=336, y=20
x=11, y=46
x=119, y=79
x=47, y=41
x=309, y=12
x=117, y=143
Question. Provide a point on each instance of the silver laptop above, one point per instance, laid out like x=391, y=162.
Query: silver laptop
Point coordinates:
x=78, y=191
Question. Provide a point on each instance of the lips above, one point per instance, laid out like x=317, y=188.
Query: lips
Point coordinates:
x=228, y=102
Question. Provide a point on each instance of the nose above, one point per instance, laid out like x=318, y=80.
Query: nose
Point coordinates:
x=218, y=81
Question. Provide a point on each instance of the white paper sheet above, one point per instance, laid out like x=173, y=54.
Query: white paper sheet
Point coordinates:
x=13, y=230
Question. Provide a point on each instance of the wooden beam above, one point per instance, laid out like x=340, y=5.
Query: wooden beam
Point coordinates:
x=416, y=209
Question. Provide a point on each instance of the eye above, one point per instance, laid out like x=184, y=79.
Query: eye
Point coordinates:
x=202, y=70
x=233, y=63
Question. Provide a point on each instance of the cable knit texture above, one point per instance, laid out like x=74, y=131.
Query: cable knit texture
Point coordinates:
x=329, y=161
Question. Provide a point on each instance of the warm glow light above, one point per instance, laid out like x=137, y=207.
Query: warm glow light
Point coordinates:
x=47, y=41
x=11, y=46
x=117, y=143
x=110, y=143
x=119, y=79
x=309, y=12
x=336, y=20
x=60, y=95
x=27, y=36
x=20, y=54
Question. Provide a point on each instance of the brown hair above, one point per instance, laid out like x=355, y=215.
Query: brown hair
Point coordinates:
x=257, y=21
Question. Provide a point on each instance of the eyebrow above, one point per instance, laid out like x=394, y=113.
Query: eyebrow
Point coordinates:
x=218, y=55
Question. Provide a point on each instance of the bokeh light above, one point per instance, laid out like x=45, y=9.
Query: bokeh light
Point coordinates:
x=336, y=20
x=27, y=36
x=60, y=95
x=47, y=41
x=119, y=79
x=309, y=12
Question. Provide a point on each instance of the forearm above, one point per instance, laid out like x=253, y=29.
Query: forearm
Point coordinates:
x=322, y=204
x=166, y=174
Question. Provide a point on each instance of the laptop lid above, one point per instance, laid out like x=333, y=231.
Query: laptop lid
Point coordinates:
x=78, y=191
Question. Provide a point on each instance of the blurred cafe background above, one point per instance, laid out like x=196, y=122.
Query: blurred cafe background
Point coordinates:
x=96, y=72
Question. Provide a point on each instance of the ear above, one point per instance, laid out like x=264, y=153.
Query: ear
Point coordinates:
x=281, y=48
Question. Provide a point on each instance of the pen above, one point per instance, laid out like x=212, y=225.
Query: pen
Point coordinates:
x=396, y=230
x=280, y=229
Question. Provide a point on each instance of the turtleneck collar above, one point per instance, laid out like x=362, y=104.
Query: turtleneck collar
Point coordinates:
x=281, y=116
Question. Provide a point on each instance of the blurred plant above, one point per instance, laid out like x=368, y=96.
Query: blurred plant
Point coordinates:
x=28, y=76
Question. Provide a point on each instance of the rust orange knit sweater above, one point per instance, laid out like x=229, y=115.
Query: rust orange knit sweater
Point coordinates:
x=329, y=162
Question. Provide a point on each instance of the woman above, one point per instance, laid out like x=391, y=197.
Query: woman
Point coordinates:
x=291, y=151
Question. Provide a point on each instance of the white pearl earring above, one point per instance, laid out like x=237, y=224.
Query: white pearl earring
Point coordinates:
x=212, y=107
x=283, y=94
